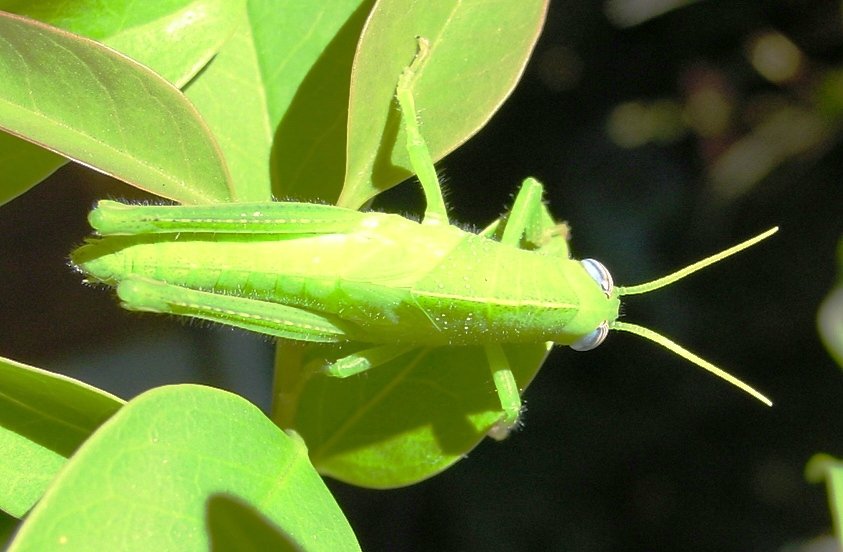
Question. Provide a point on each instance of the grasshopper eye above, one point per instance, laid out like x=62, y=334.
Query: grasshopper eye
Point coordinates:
x=591, y=340
x=600, y=274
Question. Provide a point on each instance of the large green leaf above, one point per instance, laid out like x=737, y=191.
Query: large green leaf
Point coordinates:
x=44, y=417
x=89, y=103
x=175, y=38
x=399, y=423
x=229, y=97
x=142, y=481
x=478, y=51
x=288, y=67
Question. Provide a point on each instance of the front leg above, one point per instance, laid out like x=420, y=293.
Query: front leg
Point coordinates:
x=529, y=225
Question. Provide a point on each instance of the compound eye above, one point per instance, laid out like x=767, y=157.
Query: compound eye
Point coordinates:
x=591, y=339
x=600, y=274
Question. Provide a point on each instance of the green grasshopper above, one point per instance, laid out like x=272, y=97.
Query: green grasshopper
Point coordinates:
x=319, y=273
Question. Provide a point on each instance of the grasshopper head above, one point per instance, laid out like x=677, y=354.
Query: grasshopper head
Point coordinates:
x=609, y=306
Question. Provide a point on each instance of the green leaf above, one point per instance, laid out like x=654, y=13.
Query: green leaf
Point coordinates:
x=235, y=525
x=142, y=481
x=288, y=66
x=44, y=417
x=241, y=127
x=91, y=104
x=175, y=38
x=399, y=423
x=477, y=54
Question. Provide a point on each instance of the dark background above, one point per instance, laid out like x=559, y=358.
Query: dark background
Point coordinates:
x=626, y=447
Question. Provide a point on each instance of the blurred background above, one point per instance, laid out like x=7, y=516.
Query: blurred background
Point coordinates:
x=663, y=131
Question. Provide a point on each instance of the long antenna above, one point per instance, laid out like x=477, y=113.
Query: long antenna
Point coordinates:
x=690, y=269
x=669, y=344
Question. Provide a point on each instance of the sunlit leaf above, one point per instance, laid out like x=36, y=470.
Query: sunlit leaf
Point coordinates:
x=91, y=104
x=477, y=54
x=399, y=423
x=44, y=417
x=141, y=482
x=276, y=97
x=175, y=38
